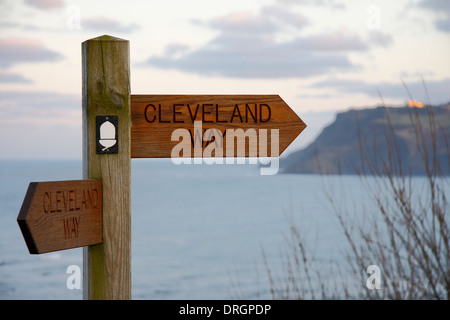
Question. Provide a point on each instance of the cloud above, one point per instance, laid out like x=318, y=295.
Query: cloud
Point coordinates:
x=19, y=50
x=317, y=3
x=233, y=64
x=7, y=77
x=175, y=49
x=435, y=5
x=443, y=24
x=289, y=17
x=380, y=39
x=46, y=4
x=108, y=25
x=437, y=90
x=441, y=9
x=254, y=45
x=335, y=41
x=340, y=83
x=243, y=21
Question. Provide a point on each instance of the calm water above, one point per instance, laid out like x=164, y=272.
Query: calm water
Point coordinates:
x=197, y=231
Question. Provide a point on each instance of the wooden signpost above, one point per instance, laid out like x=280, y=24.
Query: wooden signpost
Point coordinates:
x=106, y=103
x=155, y=117
x=117, y=126
x=61, y=215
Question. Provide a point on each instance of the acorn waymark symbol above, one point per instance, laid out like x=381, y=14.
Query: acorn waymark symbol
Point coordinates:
x=107, y=134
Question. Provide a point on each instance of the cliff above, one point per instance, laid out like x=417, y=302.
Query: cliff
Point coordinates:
x=368, y=140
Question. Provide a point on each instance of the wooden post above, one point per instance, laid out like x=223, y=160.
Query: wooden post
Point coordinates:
x=106, y=92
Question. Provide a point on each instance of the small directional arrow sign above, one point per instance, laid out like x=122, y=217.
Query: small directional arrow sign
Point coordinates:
x=61, y=215
x=211, y=119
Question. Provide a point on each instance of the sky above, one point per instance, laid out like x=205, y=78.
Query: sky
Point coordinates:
x=321, y=57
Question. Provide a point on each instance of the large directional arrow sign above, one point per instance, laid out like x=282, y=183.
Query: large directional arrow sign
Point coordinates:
x=160, y=122
x=61, y=215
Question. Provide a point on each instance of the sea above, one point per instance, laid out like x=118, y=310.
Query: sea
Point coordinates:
x=198, y=231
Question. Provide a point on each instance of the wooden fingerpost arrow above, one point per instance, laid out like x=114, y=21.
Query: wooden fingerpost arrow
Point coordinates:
x=156, y=117
x=106, y=156
x=61, y=215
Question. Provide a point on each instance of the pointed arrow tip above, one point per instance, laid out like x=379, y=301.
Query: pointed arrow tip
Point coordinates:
x=22, y=218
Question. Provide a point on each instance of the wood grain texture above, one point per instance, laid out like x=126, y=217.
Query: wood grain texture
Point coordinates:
x=155, y=117
x=61, y=215
x=106, y=91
